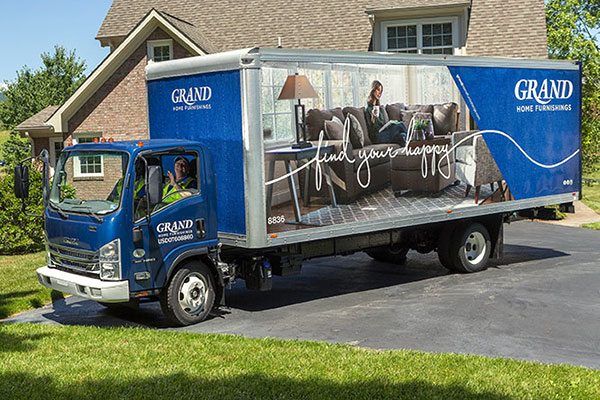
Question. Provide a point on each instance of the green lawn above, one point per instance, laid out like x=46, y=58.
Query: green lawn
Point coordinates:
x=49, y=362
x=19, y=287
x=591, y=193
x=4, y=136
x=591, y=196
x=77, y=362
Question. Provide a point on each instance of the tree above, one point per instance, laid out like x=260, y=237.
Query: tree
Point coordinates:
x=60, y=75
x=572, y=32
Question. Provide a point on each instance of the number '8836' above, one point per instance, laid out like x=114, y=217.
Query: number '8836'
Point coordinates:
x=278, y=219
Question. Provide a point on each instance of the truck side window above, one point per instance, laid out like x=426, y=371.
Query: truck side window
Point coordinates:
x=181, y=178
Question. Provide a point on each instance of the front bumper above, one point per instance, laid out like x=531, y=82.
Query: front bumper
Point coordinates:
x=83, y=286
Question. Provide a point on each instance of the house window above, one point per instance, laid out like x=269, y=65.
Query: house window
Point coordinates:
x=160, y=50
x=434, y=36
x=88, y=166
x=56, y=147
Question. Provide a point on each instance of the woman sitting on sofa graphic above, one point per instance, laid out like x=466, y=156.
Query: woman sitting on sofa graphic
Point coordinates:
x=381, y=130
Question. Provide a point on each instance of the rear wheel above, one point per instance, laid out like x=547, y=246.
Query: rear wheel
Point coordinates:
x=190, y=295
x=470, y=248
x=389, y=254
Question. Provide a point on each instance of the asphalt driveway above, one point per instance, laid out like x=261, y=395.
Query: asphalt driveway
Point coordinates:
x=541, y=303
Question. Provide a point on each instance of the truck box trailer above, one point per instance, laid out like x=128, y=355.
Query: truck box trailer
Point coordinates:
x=288, y=164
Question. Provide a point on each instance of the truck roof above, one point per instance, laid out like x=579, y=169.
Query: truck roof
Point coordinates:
x=131, y=146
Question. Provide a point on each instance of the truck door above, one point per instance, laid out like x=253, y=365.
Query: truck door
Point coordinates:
x=179, y=221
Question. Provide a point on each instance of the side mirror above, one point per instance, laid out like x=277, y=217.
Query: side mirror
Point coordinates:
x=155, y=184
x=21, y=181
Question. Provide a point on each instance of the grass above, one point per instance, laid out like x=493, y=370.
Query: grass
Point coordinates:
x=4, y=136
x=590, y=194
x=19, y=287
x=592, y=225
x=40, y=361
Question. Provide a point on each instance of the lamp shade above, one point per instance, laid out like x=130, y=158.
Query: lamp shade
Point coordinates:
x=297, y=87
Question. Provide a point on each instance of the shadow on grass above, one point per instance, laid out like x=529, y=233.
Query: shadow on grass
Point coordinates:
x=10, y=342
x=6, y=297
x=15, y=302
x=247, y=386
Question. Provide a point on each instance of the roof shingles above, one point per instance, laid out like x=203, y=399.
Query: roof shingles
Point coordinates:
x=509, y=28
x=38, y=120
x=232, y=24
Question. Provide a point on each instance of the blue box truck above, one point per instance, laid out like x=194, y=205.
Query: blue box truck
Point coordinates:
x=238, y=182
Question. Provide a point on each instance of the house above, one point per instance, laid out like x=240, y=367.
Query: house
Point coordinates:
x=112, y=100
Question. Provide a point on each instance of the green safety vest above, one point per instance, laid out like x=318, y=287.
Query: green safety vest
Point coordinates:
x=168, y=189
x=138, y=185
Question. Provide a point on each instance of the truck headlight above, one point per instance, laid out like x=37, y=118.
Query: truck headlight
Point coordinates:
x=110, y=261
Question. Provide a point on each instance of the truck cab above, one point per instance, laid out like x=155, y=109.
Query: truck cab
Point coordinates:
x=143, y=212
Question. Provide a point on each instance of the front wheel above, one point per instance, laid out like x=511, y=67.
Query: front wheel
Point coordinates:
x=190, y=295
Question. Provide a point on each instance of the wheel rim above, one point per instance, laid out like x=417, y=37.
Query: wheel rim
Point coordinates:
x=475, y=247
x=192, y=294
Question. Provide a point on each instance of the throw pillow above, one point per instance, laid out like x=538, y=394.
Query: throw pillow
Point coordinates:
x=315, y=120
x=359, y=113
x=334, y=130
x=393, y=111
x=357, y=136
x=406, y=116
x=445, y=118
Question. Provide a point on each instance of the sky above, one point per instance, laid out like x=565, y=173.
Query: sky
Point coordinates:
x=32, y=27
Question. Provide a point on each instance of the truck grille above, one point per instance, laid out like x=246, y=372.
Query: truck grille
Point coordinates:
x=78, y=261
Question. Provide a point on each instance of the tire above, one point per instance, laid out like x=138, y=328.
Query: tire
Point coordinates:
x=470, y=248
x=190, y=295
x=389, y=254
x=443, y=248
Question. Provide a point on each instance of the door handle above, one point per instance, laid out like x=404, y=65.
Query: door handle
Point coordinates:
x=137, y=235
x=200, y=228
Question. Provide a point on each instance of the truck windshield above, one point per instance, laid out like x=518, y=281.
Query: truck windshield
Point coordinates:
x=88, y=182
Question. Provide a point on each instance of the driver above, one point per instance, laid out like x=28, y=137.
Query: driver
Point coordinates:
x=139, y=187
x=178, y=182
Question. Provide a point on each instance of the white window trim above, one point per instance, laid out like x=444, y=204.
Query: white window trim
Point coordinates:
x=151, y=44
x=53, y=141
x=419, y=23
x=76, y=163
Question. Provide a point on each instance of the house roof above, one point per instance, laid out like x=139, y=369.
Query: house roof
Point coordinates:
x=376, y=5
x=192, y=32
x=231, y=24
x=38, y=121
x=507, y=28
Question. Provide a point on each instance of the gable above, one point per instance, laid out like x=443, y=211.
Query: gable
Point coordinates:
x=115, y=60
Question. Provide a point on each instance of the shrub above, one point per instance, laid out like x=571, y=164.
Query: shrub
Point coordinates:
x=20, y=233
x=15, y=149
